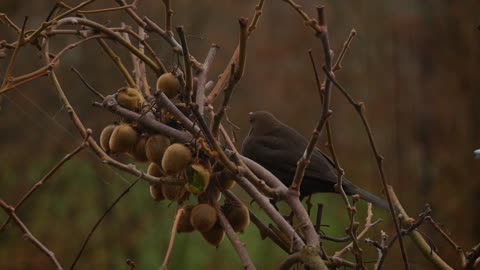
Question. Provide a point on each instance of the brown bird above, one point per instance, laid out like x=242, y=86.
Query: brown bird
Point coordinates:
x=278, y=147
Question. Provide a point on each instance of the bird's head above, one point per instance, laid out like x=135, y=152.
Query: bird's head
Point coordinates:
x=262, y=122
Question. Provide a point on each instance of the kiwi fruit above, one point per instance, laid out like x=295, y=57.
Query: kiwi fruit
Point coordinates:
x=130, y=98
x=237, y=214
x=154, y=170
x=212, y=191
x=203, y=217
x=168, y=84
x=224, y=181
x=105, y=137
x=155, y=147
x=215, y=235
x=176, y=158
x=156, y=192
x=138, y=152
x=184, y=224
x=174, y=192
x=123, y=139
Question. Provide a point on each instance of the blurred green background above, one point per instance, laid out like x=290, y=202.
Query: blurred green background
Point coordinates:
x=414, y=63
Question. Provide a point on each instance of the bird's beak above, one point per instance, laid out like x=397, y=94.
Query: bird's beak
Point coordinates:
x=250, y=116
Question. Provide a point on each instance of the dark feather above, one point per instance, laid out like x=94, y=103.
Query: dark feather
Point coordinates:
x=277, y=147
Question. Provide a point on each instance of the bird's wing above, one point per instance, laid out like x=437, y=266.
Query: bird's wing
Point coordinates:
x=321, y=166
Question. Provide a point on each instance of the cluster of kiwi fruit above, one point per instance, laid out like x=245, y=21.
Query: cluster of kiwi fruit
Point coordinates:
x=183, y=162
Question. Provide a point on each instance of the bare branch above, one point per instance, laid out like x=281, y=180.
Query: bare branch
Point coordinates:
x=86, y=83
x=360, y=108
x=338, y=64
x=168, y=17
x=13, y=58
x=224, y=77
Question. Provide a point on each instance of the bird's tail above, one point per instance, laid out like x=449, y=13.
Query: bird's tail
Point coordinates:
x=369, y=197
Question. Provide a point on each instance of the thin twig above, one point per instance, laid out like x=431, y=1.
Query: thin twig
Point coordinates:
x=168, y=17
x=135, y=62
x=115, y=36
x=224, y=77
x=5, y=19
x=143, y=72
x=45, y=178
x=188, y=66
x=368, y=224
x=92, y=11
x=416, y=237
x=242, y=56
x=118, y=62
x=173, y=233
x=338, y=64
x=55, y=20
x=360, y=108
x=445, y=235
x=92, y=230
x=102, y=97
x=28, y=235
x=13, y=59
x=22, y=79
x=326, y=112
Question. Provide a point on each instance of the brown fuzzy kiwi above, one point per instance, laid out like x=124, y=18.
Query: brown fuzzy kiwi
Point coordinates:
x=237, y=214
x=123, y=139
x=105, y=137
x=168, y=84
x=156, y=192
x=215, y=235
x=184, y=224
x=224, y=181
x=212, y=191
x=155, y=148
x=138, y=152
x=174, y=192
x=154, y=170
x=203, y=217
x=130, y=98
x=176, y=158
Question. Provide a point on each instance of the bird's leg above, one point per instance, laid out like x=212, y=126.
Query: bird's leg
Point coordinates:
x=318, y=222
x=289, y=218
x=309, y=204
x=274, y=203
